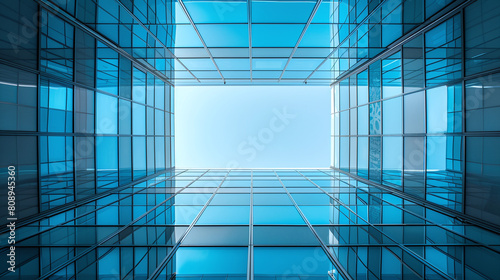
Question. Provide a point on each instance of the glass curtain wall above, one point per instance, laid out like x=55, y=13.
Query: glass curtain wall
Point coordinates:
x=420, y=115
x=86, y=94
x=254, y=224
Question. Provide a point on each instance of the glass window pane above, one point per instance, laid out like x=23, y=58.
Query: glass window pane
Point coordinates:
x=482, y=154
x=414, y=158
x=391, y=76
x=211, y=261
x=482, y=104
x=84, y=58
x=56, y=48
x=56, y=170
x=392, y=116
x=413, y=64
x=107, y=69
x=18, y=99
x=106, y=114
x=16, y=19
x=233, y=215
x=443, y=51
x=363, y=157
x=217, y=235
x=139, y=119
x=362, y=87
x=482, y=51
x=444, y=171
x=392, y=160
x=414, y=118
x=444, y=109
x=277, y=261
x=107, y=162
x=363, y=120
x=56, y=107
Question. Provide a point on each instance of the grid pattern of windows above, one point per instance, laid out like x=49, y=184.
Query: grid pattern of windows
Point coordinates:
x=260, y=224
x=86, y=101
x=73, y=110
x=427, y=124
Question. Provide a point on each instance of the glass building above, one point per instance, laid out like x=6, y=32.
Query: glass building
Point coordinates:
x=87, y=135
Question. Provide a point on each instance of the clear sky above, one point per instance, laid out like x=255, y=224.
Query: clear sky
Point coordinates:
x=252, y=126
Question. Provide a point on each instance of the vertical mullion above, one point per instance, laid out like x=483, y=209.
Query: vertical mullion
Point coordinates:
x=464, y=126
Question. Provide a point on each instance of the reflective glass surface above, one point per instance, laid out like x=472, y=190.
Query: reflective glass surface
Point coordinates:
x=87, y=109
x=316, y=223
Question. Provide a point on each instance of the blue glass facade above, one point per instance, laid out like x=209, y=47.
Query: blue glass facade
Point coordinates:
x=87, y=99
x=423, y=129
x=69, y=92
x=259, y=224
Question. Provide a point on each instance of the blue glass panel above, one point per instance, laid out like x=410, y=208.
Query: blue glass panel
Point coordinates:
x=481, y=43
x=315, y=36
x=482, y=104
x=56, y=106
x=56, y=46
x=233, y=215
x=392, y=163
x=433, y=6
x=392, y=116
x=139, y=86
x=362, y=83
x=444, y=171
x=344, y=153
x=139, y=119
x=284, y=235
x=363, y=156
x=444, y=109
x=391, y=76
x=413, y=64
x=185, y=36
x=107, y=69
x=283, y=12
x=125, y=160
x=217, y=235
x=271, y=261
x=56, y=171
x=139, y=156
x=482, y=172
x=234, y=35
x=106, y=114
x=363, y=120
x=275, y=35
x=18, y=99
x=392, y=28
x=443, y=51
x=414, y=160
x=231, y=199
x=110, y=259
x=344, y=94
x=217, y=12
x=414, y=116
x=19, y=32
x=211, y=260
x=107, y=162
